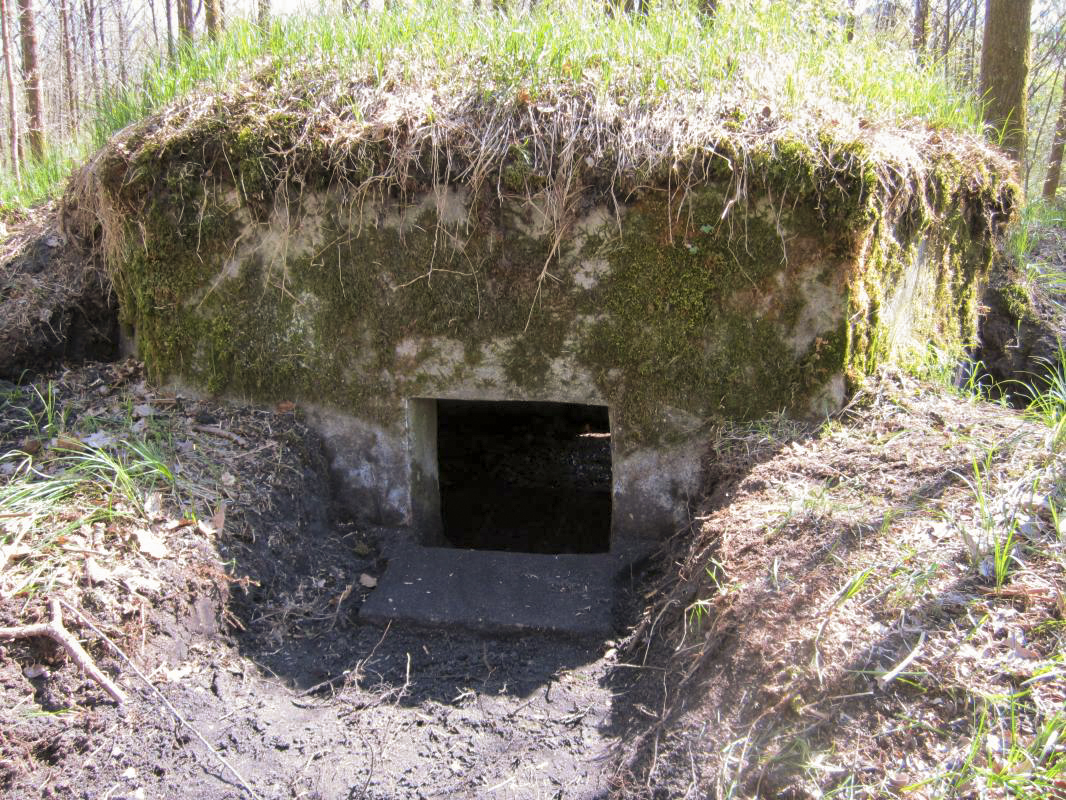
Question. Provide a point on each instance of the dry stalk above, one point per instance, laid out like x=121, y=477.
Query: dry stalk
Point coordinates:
x=221, y=433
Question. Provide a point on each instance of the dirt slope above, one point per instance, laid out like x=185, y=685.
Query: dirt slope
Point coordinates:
x=840, y=624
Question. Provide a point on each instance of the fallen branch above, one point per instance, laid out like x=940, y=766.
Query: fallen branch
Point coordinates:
x=55, y=631
x=222, y=433
x=888, y=677
x=167, y=703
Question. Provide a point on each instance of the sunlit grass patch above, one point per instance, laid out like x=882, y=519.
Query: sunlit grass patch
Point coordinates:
x=755, y=64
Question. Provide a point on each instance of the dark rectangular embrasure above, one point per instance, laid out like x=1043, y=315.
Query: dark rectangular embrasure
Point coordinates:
x=525, y=477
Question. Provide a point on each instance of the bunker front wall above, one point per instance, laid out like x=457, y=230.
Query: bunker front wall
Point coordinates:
x=676, y=315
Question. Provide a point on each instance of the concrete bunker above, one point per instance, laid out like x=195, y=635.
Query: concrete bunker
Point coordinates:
x=516, y=476
x=395, y=312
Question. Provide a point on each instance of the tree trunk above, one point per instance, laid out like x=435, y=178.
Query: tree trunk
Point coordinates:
x=213, y=17
x=170, y=29
x=31, y=75
x=185, y=19
x=263, y=13
x=71, y=94
x=921, y=26
x=105, y=69
x=9, y=77
x=90, y=15
x=945, y=47
x=1005, y=69
x=1054, y=165
x=155, y=25
x=123, y=43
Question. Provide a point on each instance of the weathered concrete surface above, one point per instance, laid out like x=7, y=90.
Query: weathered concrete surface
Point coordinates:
x=498, y=592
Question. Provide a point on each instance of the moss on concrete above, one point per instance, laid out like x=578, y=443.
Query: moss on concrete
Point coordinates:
x=697, y=310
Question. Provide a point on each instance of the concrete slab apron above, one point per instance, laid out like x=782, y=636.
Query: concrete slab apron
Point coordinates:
x=494, y=591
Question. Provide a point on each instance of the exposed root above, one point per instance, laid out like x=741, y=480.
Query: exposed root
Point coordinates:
x=55, y=631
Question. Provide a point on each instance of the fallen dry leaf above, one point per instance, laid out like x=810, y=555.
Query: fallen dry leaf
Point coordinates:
x=150, y=544
x=64, y=442
x=153, y=505
x=142, y=583
x=94, y=573
x=175, y=675
x=174, y=524
x=98, y=439
x=218, y=519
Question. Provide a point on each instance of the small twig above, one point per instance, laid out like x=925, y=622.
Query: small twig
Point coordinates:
x=340, y=601
x=888, y=677
x=166, y=702
x=221, y=433
x=358, y=666
x=55, y=631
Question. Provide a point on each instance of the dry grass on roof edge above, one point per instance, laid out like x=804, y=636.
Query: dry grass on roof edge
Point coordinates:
x=570, y=141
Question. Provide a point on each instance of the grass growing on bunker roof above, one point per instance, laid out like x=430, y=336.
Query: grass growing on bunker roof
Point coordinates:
x=757, y=65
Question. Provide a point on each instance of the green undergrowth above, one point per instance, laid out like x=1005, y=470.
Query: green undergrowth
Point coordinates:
x=68, y=477
x=754, y=65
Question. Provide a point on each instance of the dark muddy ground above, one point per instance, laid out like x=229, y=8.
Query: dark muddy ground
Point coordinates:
x=252, y=633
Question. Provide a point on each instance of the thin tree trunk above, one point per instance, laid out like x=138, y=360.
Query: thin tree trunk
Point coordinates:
x=945, y=47
x=263, y=13
x=1054, y=166
x=155, y=25
x=123, y=43
x=213, y=18
x=105, y=69
x=68, y=65
x=9, y=78
x=921, y=26
x=170, y=29
x=1005, y=69
x=90, y=14
x=31, y=76
x=185, y=19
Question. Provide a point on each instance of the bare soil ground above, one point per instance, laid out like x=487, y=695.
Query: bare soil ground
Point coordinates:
x=763, y=665
x=55, y=303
